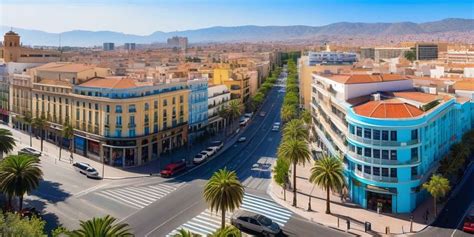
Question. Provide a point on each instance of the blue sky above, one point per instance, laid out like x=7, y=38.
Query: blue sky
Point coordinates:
x=146, y=16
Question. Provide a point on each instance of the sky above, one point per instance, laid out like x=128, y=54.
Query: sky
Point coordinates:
x=144, y=17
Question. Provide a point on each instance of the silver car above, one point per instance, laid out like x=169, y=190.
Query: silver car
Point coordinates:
x=249, y=221
x=86, y=169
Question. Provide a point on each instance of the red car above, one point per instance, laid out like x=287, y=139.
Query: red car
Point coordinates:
x=173, y=168
x=469, y=222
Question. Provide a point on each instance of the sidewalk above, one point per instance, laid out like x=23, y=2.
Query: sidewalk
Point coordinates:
x=399, y=224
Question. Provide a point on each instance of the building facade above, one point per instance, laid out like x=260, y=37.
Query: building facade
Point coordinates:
x=237, y=80
x=108, y=46
x=426, y=51
x=332, y=58
x=198, y=112
x=389, y=136
x=219, y=97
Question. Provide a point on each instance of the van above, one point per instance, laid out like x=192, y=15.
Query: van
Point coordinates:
x=173, y=168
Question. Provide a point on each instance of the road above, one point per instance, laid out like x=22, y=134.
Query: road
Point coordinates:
x=450, y=219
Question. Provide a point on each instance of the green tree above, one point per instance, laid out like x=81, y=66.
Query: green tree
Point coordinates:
x=68, y=133
x=19, y=174
x=224, y=192
x=438, y=187
x=28, y=119
x=295, y=151
x=305, y=115
x=7, y=142
x=295, y=129
x=12, y=225
x=185, y=233
x=410, y=55
x=102, y=227
x=234, y=110
x=280, y=174
x=227, y=231
x=41, y=124
x=60, y=231
x=327, y=173
x=288, y=112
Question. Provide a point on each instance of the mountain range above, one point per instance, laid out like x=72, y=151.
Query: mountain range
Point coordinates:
x=248, y=33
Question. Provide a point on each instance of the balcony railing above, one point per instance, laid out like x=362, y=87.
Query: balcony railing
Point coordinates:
x=382, y=161
x=381, y=142
x=377, y=178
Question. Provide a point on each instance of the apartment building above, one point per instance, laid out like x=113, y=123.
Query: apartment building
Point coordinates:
x=382, y=53
x=237, y=80
x=219, y=97
x=389, y=136
x=198, y=102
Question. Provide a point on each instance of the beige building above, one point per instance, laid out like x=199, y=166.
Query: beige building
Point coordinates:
x=13, y=51
x=237, y=80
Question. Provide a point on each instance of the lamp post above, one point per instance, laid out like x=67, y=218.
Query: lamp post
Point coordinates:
x=101, y=151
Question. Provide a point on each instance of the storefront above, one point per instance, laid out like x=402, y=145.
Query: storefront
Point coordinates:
x=93, y=149
x=80, y=145
x=379, y=198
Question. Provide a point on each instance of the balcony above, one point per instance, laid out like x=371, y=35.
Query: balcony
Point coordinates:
x=118, y=126
x=377, y=178
x=379, y=161
x=381, y=142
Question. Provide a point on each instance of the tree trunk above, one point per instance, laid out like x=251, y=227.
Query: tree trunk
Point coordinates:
x=435, y=208
x=71, y=141
x=42, y=138
x=60, y=146
x=20, y=201
x=223, y=218
x=31, y=135
x=328, y=203
x=284, y=193
x=294, y=183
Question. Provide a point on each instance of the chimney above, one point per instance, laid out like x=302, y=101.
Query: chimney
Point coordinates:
x=376, y=97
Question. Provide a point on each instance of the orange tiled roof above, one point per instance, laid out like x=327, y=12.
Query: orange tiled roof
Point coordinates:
x=417, y=96
x=365, y=78
x=467, y=85
x=64, y=67
x=111, y=82
x=383, y=109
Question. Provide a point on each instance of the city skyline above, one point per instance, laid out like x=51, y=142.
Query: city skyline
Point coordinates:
x=145, y=17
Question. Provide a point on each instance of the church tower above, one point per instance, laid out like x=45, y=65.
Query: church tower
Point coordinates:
x=11, y=46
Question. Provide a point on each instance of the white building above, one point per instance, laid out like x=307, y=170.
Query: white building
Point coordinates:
x=218, y=98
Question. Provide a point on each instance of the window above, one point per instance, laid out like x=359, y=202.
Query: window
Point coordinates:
x=414, y=153
x=118, y=120
x=96, y=106
x=155, y=104
x=367, y=152
x=385, y=172
x=377, y=153
x=414, y=171
x=393, y=154
x=352, y=147
x=385, y=154
x=376, y=171
x=376, y=135
x=414, y=134
x=351, y=129
x=181, y=99
x=131, y=133
x=367, y=169
x=147, y=106
x=367, y=133
x=359, y=167
x=174, y=100
x=147, y=130
x=359, y=131
x=393, y=172
x=385, y=135
x=165, y=102
x=155, y=128
x=359, y=150
x=132, y=120
x=393, y=136
x=107, y=108
x=132, y=109
x=118, y=109
x=118, y=132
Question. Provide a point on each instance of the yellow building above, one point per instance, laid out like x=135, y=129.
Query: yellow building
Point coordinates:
x=237, y=80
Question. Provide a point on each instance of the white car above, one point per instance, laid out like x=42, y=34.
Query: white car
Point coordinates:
x=275, y=128
x=86, y=169
x=242, y=139
x=217, y=144
x=29, y=151
x=248, y=115
x=199, y=158
x=210, y=151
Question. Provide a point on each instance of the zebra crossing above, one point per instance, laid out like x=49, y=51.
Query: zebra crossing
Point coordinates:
x=207, y=222
x=139, y=196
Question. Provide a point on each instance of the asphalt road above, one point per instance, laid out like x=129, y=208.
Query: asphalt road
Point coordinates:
x=450, y=219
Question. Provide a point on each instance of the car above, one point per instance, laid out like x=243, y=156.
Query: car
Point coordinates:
x=86, y=169
x=277, y=124
x=217, y=144
x=248, y=115
x=468, y=225
x=199, y=158
x=276, y=128
x=242, y=139
x=210, y=151
x=243, y=121
x=29, y=151
x=249, y=221
x=173, y=168
x=262, y=114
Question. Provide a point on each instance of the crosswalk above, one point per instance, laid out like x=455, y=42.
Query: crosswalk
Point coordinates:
x=139, y=196
x=207, y=222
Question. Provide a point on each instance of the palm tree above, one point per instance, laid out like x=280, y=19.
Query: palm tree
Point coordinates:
x=41, y=123
x=234, y=110
x=19, y=174
x=185, y=233
x=224, y=192
x=295, y=151
x=7, y=142
x=306, y=116
x=28, y=119
x=68, y=133
x=102, y=227
x=327, y=174
x=288, y=112
x=280, y=174
x=295, y=128
x=227, y=231
x=438, y=186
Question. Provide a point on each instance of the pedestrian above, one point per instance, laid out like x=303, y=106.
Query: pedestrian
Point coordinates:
x=427, y=213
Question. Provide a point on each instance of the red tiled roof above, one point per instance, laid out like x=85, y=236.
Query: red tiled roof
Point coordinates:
x=417, y=96
x=111, y=82
x=467, y=85
x=365, y=78
x=382, y=109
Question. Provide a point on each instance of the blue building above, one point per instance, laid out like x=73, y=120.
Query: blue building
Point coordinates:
x=390, y=141
x=198, y=107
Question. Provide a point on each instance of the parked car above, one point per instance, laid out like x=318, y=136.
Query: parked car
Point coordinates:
x=210, y=151
x=249, y=221
x=262, y=114
x=242, y=139
x=276, y=128
x=29, y=151
x=199, y=158
x=244, y=122
x=217, y=144
x=469, y=222
x=248, y=115
x=173, y=168
x=86, y=169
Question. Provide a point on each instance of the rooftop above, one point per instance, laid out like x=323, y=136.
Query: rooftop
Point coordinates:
x=467, y=85
x=64, y=67
x=388, y=109
x=364, y=78
x=110, y=83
